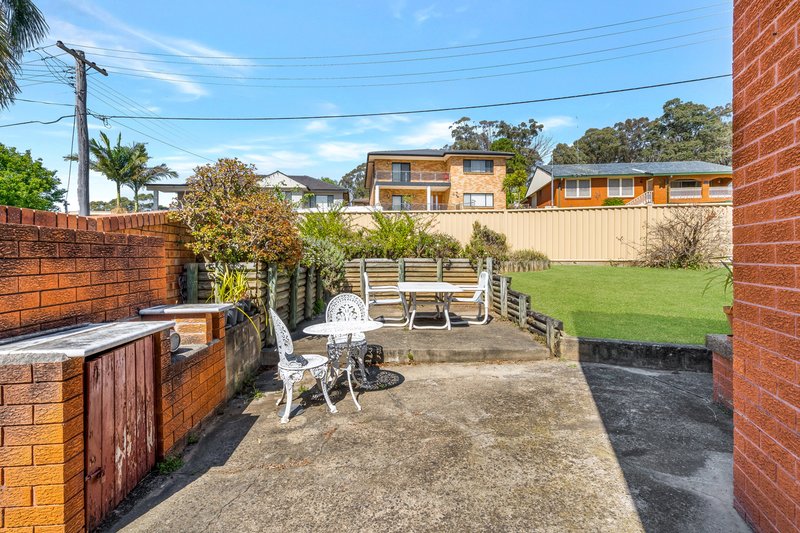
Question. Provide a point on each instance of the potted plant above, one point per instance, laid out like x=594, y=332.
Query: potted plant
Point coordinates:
x=231, y=286
x=727, y=284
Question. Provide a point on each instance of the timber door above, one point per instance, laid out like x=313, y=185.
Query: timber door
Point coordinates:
x=119, y=425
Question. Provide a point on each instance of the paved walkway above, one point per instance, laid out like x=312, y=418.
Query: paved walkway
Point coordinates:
x=537, y=446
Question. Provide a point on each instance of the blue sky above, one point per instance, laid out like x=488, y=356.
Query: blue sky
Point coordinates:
x=681, y=46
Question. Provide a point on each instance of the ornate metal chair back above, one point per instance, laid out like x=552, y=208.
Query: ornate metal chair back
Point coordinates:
x=345, y=307
x=282, y=337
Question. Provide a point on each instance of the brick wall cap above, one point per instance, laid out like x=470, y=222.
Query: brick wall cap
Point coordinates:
x=24, y=358
x=185, y=309
x=720, y=345
x=84, y=341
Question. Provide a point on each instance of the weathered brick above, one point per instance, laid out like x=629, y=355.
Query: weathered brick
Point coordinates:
x=41, y=515
x=50, y=413
x=40, y=282
x=16, y=415
x=57, y=453
x=19, y=267
x=16, y=456
x=42, y=392
x=56, y=494
x=56, y=234
x=58, y=296
x=15, y=496
x=15, y=374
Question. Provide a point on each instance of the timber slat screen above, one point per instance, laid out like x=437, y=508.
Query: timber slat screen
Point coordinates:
x=391, y=271
x=119, y=432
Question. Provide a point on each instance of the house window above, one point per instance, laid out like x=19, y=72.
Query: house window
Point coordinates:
x=682, y=184
x=401, y=171
x=323, y=199
x=620, y=187
x=399, y=203
x=478, y=200
x=479, y=166
x=578, y=188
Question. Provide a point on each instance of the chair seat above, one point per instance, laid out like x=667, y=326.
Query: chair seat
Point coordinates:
x=358, y=338
x=376, y=301
x=312, y=361
x=384, y=288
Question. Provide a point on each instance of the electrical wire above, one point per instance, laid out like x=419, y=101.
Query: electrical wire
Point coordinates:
x=421, y=82
x=116, y=69
x=430, y=110
x=419, y=50
x=42, y=102
x=158, y=140
x=231, y=61
x=59, y=119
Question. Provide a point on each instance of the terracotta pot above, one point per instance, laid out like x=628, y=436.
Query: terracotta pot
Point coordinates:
x=728, y=310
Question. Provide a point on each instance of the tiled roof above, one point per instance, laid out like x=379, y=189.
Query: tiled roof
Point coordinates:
x=667, y=168
x=439, y=153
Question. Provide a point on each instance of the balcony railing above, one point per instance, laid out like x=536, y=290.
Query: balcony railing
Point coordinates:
x=685, y=192
x=384, y=176
x=725, y=191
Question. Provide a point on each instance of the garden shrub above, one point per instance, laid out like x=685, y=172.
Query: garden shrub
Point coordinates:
x=331, y=224
x=485, y=243
x=438, y=245
x=690, y=237
x=328, y=259
x=613, y=201
x=524, y=256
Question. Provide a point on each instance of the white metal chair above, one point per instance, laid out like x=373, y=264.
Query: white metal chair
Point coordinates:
x=371, y=298
x=292, y=367
x=480, y=297
x=347, y=307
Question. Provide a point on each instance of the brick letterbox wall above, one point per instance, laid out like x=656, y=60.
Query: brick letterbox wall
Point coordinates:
x=766, y=235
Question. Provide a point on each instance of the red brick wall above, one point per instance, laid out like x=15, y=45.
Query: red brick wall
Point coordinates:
x=190, y=388
x=723, y=380
x=766, y=160
x=41, y=453
x=58, y=270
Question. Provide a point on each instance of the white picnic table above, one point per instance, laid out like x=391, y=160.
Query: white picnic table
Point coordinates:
x=443, y=292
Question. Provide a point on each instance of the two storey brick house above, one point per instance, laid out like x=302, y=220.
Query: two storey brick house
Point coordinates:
x=431, y=180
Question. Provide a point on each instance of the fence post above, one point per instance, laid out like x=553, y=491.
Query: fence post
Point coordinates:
x=489, y=265
x=439, y=270
x=504, y=296
x=293, y=299
x=401, y=269
x=523, y=309
x=272, y=297
x=309, y=302
x=361, y=269
x=319, y=288
x=191, y=283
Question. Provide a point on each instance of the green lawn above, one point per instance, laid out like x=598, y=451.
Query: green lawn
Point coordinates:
x=629, y=303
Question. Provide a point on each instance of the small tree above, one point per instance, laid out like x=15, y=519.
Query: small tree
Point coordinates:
x=144, y=176
x=232, y=219
x=25, y=182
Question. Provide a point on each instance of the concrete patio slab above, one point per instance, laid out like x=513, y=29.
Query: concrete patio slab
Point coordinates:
x=499, y=340
x=544, y=446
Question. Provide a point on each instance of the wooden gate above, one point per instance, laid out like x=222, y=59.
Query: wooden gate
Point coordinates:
x=119, y=428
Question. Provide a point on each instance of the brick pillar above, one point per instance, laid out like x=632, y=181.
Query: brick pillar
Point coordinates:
x=766, y=236
x=41, y=454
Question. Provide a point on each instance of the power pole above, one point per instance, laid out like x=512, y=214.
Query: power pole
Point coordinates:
x=80, y=123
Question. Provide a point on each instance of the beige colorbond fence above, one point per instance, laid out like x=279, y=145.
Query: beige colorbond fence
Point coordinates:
x=590, y=234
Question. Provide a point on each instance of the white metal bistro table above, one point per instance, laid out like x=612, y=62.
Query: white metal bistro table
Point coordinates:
x=444, y=292
x=345, y=327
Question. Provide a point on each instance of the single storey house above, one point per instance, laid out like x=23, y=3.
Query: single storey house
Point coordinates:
x=675, y=182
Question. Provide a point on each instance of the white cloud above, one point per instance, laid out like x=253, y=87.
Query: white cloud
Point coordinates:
x=344, y=151
x=423, y=15
x=284, y=160
x=316, y=126
x=397, y=8
x=433, y=134
x=558, y=121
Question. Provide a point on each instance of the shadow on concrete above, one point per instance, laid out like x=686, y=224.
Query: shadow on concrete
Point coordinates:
x=221, y=433
x=673, y=445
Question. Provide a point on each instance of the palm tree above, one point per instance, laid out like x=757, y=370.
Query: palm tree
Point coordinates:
x=146, y=175
x=117, y=163
x=22, y=25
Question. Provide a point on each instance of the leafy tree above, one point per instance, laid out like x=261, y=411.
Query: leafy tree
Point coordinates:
x=329, y=180
x=355, y=181
x=524, y=138
x=118, y=163
x=25, y=182
x=485, y=243
x=144, y=200
x=232, y=219
x=22, y=25
x=144, y=176
x=685, y=131
x=516, y=185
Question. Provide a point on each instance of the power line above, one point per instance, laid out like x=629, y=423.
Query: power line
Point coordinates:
x=42, y=102
x=421, y=82
x=419, y=50
x=113, y=68
x=158, y=140
x=429, y=110
x=406, y=60
x=59, y=119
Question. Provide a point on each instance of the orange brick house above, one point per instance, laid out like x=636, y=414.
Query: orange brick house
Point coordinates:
x=432, y=180
x=678, y=182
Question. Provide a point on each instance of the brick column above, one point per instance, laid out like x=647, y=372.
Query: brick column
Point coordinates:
x=41, y=453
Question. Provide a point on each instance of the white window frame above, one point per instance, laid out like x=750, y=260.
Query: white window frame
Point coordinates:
x=617, y=193
x=488, y=199
x=578, y=189
x=489, y=161
x=686, y=184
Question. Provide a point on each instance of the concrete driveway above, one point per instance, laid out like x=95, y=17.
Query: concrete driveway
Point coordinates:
x=537, y=446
